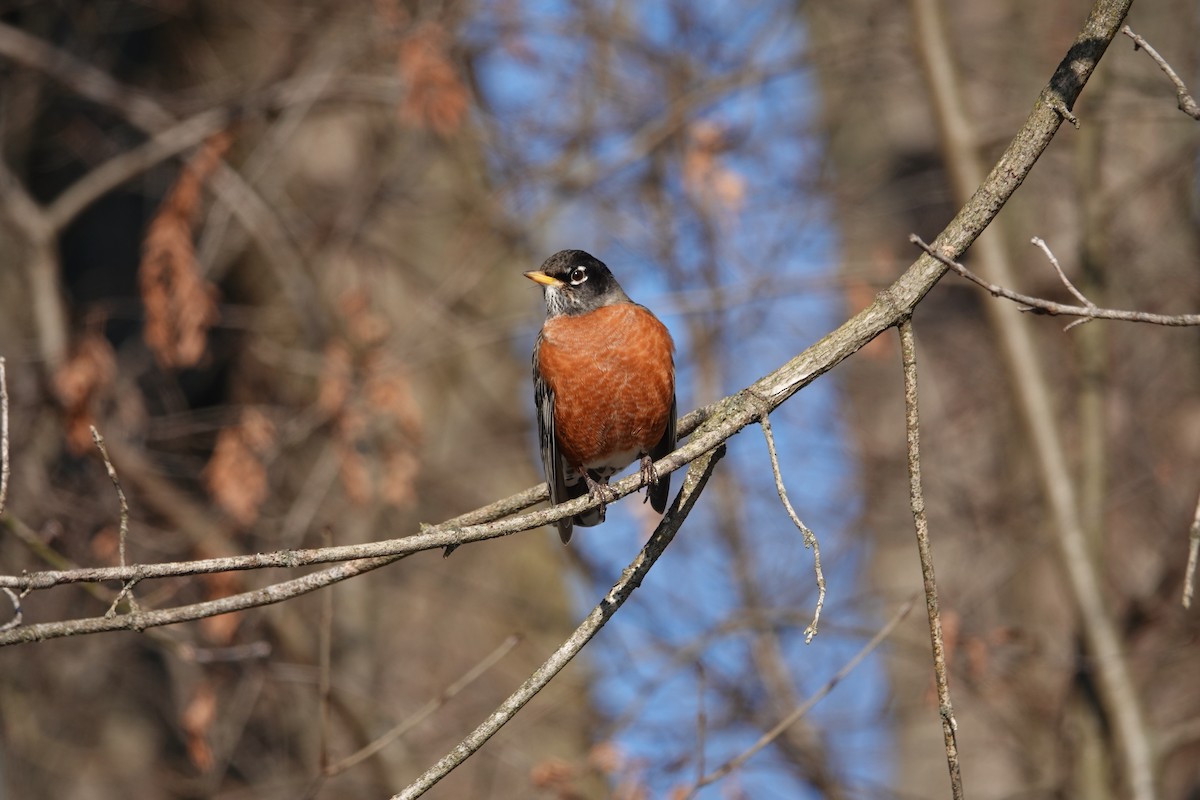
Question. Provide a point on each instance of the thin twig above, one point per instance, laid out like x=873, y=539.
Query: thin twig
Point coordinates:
x=1062, y=276
x=325, y=671
x=693, y=484
x=17, y=616
x=908, y=352
x=1051, y=308
x=794, y=716
x=126, y=591
x=116, y=482
x=100, y=180
x=422, y=713
x=1189, y=581
x=127, y=588
x=4, y=463
x=810, y=538
x=1187, y=104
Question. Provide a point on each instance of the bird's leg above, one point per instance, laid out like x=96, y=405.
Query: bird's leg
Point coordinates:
x=599, y=491
x=649, y=474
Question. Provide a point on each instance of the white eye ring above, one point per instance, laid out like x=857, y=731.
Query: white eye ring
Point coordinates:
x=578, y=275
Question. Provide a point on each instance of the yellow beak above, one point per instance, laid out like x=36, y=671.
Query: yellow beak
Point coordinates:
x=543, y=278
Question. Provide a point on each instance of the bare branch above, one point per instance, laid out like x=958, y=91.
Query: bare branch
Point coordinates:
x=1187, y=104
x=791, y=719
x=123, y=534
x=17, y=616
x=191, y=131
x=4, y=463
x=104, y=178
x=422, y=713
x=142, y=620
x=325, y=670
x=631, y=578
x=1062, y=276
x=116, y=482
x=810, y=538
x=908, y=352
x=41, y=265
x=256, y=214
x=1189, y=581
x=1050, y=307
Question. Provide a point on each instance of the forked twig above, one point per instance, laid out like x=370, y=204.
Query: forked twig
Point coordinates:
x=1062, y=276
x=1041, y=306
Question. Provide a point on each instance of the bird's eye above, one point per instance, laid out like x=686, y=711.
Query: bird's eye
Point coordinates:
x=578, y=275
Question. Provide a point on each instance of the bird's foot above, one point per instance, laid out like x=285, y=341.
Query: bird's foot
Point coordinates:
x=649, y=475
x=599, y=491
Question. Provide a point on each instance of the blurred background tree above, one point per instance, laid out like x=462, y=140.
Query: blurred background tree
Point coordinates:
x=273, y=252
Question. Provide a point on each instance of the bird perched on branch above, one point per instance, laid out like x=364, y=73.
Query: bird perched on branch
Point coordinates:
x=604, y=383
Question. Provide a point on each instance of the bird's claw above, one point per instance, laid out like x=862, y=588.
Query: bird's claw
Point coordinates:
x=599, y=491
x=649, y=475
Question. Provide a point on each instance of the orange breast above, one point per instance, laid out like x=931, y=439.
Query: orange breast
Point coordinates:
x=613, y=379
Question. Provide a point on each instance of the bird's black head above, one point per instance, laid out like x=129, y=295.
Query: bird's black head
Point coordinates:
x=575, y=282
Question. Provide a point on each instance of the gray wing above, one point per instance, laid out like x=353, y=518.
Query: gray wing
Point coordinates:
x=543, y=396
x=661, y=492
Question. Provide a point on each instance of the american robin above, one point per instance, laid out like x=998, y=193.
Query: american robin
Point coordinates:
x=604, y=383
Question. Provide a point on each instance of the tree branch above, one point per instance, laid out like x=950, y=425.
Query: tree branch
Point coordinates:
x=4, y=451
x=1187, y=104
x=1189, y=579
x=693, y=484
x=1038, y=305
x=1115, y=685
x=736, y=763
x=916, y=497
x=142, y=111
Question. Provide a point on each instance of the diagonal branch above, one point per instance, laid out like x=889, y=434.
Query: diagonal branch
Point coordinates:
x=631, y=578
x=737, y=761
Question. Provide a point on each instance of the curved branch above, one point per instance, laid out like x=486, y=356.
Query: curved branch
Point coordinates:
x=1187, y=103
